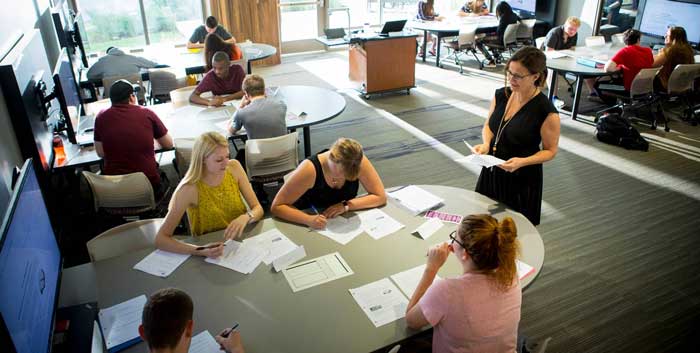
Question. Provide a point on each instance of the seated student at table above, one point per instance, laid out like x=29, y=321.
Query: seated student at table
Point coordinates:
x=629, y=60
x=117, y=63
x=506, y=17
x=211, y=25
x=213, y=43
x=564, y=36
x=329, y=180
x=473, y=8
x=223, y=81
x=478, y=311
x=124, y=135
x=210, y=193
x=676, y=51
x=167, y=325
x=426, y=12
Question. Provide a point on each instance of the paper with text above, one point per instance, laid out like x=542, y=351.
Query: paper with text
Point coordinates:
x=381, y=301
x=524, y=269
x=120, y=323
x=428, y=228
x=378, y=224
x=240, y=257
x=161, y=263
x=342, y=229
x=273, y=243
x=408, y=280
x=415, y=199
x=310, y=273
x=289, y=258
x=204, y=342
x=484, y=160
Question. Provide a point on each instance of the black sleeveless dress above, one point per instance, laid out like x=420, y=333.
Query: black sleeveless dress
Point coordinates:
x=321, y=195
x=522, y=189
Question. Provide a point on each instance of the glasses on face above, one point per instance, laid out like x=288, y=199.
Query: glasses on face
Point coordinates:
x=454, y=240
x=517, y=77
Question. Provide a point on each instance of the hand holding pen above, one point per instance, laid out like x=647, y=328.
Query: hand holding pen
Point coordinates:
x=230, y=340
x=318, y=221
x=212, y=250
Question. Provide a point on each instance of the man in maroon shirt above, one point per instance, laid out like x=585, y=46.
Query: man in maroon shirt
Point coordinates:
x=223, y=81
x=124, y=135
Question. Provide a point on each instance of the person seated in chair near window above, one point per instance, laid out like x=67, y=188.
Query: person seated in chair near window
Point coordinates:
x=210, y=193
x=167, y=325
x=629, y=60
x=426, y=12
x=213, y=43
x=473, y=8
x=261, y=116
x=506, y=17
x=564, y=36
x=124, y=135
x=211, y=25
x=117, y=63
x=223, y=81
x=478, y=311
x=677, y=51
x=328, y=182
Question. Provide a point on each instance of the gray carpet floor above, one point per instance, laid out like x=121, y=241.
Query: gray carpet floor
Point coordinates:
x=620, y=228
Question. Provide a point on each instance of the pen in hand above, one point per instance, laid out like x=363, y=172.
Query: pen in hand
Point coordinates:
x=207, y=247
x=313, y=208
x=226, y=333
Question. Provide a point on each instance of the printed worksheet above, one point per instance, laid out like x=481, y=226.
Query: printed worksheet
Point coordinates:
x=415, y=199
x=484, y=160
x=378, y=224
x=408, y=280
x=273, y=243
x=381, y=301
x=120, y=323
x=240, y=257
x=342, y=229
x=204, y=342
x=310, y=273
x=161, y=263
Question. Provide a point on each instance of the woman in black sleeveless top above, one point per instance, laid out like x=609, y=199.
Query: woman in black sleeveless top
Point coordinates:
x=329, y=182
x=521, y=118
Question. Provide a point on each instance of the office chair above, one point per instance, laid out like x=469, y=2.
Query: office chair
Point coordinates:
x=465, y=42
x=681, y=89
x=125, y=238
x=268, y=160
x=161, y=83
x=640, y=96
x=128, y=196
x=524, y=35
x=509, y=42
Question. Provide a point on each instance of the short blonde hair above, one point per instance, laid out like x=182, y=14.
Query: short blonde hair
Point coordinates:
x=205, y=145
x=574, y=21
x=348, y=153
x=253, y=85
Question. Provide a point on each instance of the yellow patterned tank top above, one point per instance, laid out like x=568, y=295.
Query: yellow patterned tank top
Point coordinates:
x=217, y=206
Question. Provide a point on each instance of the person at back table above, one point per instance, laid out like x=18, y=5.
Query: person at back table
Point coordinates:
x=426, y=12
x=329, y=182
x=473, y=8
x=564, y=36
x=117, y=63
x=506, y=17
x=167, y=325
x=124, y=135
x=213, y=43
x=211, y=25
x=629, y=60
x=210, y=193
x=677, y=51
x=223, y=81
x=478, y=311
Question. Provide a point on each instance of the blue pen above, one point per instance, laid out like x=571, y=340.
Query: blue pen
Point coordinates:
x=314, y=209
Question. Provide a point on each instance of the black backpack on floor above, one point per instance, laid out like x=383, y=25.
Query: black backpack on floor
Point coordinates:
x=615, y=130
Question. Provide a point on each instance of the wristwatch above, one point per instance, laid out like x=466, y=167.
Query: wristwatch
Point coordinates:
x=346, y=205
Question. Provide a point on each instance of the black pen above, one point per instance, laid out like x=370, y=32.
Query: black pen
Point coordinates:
x=228, y=332
x=207, y=247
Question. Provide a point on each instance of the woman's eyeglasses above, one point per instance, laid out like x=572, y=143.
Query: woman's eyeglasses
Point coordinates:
x=454, y=240
x=516, y=77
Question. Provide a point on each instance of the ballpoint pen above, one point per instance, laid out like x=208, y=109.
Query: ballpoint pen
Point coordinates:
x=207, y=247
x=228, y=332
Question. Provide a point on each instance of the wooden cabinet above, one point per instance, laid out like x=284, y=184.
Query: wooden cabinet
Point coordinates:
x=383, y=64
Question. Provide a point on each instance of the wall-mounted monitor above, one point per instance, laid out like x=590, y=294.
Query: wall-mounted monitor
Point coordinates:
x=655, y=16
x=30, y=268
x=525, y=8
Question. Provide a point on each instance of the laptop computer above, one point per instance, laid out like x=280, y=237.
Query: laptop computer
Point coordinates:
x=392, y=26
x=334, y=33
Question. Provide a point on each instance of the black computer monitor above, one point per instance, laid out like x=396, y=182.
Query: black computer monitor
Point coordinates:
x=78, y=46
x=30, y=268
x=655, y=16
x=67, y=94
x=393, y=26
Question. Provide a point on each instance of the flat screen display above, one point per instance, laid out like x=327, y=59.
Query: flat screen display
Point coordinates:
x=30, y=263
x=524, y=5
x=658, y=15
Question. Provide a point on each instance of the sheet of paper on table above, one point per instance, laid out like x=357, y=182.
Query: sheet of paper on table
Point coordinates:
x=415, y=199
x=378, y=224
x=120, y=323
x=342, y=229
x=310, y=273
x=381, y=301
x=161, y=263
x=204, y=342
x=408, y=280
x=240, y=257
x=273, y=243
x=428, y=228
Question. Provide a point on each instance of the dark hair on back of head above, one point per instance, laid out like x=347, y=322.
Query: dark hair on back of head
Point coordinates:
x=212, y=44
x=211, y=22
x=492, y=246
x=534, y=61
x=678, y=35
x=631, y=36
x=165, y=316
x=503, y=8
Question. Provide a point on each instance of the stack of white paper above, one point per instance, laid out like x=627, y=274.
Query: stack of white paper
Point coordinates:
x=120, y=323
x=342, y=229
x=428, y=228
x=381, y=301
x=161, y=263
x=524, y=269
x=484, y=160
x=273, y=243
x=204, y=342
x=240, y=257
x=408, y=280
x=416, y=199
x=378, y=224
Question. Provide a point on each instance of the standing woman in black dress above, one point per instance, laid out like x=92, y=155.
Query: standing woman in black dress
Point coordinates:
x=520, y=118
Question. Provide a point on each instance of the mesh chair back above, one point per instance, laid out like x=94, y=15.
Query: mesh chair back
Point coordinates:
x=123, y=239
x=595, y=41
x=183, y=154
x=525, y=29
x=273, y=157
x=467, y=35
x=510, y=36
x=135, y=79
x=682, y=78
x=643, y=83
x=162, y=82
x=121, y=191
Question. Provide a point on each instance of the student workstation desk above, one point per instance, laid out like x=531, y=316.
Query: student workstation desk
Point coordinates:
x=186, y=120
x=272, y=318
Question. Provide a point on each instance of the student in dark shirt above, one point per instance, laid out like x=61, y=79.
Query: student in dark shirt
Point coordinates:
x=564, y=36
x=224, y=81
x=210, y=26
x=505, y=16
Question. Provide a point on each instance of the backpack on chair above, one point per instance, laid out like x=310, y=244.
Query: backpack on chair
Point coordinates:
x=615, y=130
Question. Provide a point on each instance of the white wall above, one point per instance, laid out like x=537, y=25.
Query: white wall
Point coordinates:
x=583, y=9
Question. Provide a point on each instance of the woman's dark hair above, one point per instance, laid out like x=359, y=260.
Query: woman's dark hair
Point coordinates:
x=678, y=35
x=631, y=36
x=429, y=7
x=492, y=246
x=503, y=8
x=212, y=44
x=533, y=60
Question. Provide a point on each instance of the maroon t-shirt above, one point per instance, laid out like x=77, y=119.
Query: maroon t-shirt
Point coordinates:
x=217, y=86
x=632, y=59
x=127, y=132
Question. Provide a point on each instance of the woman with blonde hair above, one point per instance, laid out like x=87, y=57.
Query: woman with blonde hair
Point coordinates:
x=473, y=8
x=329, y=181
x=210, y=193
x=480, y=310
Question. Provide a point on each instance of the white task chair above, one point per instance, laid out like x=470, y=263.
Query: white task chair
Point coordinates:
x=125, y=195
x=681, y=88
x=268, y=160
x=123, y=239
x=595, y=41
x=524, y=34
x=183, y=155
x=539, y=43
x=464, y=43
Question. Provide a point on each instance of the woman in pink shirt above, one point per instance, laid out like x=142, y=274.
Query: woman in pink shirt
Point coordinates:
x=480, y=310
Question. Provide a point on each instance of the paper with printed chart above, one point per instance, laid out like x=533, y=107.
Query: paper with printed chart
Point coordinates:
x=342, y=229
x=524, y=269
x=310, y=273
x=415, y=199
x=273, y=243
x=378, y=224
x=204, y=342
x=381, y=301
x=408, y=280
x=120, y=323
x=240, y=257
x=161, y=263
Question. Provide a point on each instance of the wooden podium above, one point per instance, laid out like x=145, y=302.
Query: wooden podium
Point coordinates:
x=383, y=64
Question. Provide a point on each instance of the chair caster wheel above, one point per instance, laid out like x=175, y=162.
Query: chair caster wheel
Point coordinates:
x=667, y=129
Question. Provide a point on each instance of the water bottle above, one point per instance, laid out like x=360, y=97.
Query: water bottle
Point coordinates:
x=58, y=148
